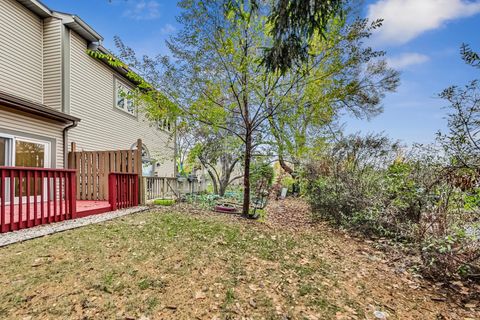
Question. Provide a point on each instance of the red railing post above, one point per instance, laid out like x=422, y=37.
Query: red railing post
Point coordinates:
x=42, y=195
x=123, y=190
x=35, y=209
x=136, y=190
x=20, y=200
x=12, y=200
x=112, y=190
x=27, y=196
x=55, y=193
x=49, y=192
x=3, y=183
x=73, y=194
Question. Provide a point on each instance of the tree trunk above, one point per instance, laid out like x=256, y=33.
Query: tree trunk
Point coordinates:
x=222, y=186
x=222, y=189
x=246, y=176
x=286, y=167
x=214, y=181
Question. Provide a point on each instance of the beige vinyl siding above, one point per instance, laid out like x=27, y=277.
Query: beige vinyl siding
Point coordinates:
x=52, y=63
x=103, y=126
x=29, y=125
x=21, y=51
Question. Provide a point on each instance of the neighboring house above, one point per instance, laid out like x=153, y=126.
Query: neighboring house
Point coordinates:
x=53, y=93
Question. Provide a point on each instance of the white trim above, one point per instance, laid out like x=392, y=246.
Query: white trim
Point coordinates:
x=47, y=160
x=11, y=153
x=6, y=136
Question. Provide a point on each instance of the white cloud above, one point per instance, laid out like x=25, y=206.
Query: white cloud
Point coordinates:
x=143, y=10
x=168, y=29
x=407, y=59
x=405, y=20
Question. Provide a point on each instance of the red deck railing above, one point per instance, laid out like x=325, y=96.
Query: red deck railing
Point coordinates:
x=123, y=190
x=35, y=196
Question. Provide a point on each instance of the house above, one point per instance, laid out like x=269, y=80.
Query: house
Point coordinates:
x=53, y=93
x=56, y=97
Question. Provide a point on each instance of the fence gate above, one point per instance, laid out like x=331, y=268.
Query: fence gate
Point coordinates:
x=94, y=167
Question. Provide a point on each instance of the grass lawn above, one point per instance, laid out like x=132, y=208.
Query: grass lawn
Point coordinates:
x=174, y=265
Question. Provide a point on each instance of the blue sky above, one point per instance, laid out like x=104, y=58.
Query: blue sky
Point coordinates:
x=422, y=39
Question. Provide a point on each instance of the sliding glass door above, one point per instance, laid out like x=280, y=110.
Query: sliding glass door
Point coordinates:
x=23, y=152
x=30, y=153
x=3, y=151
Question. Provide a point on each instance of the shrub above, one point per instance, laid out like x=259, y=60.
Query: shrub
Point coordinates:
x=364, y=184
x=163, y=202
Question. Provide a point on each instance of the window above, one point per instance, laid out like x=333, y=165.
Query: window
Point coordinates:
x=164, y=124
x=24, y=152
x=124, y=98
x=3, y=151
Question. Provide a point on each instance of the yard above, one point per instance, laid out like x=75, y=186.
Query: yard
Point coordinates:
x=184, y=263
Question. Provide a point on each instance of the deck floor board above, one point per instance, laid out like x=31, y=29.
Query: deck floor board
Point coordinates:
x=84, y=208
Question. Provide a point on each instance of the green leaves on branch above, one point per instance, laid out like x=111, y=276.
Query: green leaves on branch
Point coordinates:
x=155, y=104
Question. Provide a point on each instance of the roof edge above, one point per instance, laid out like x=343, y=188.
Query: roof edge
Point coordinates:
x=37, y=7
x=120, y=70
x=70, y=20
x=38, y=109
x=76, y=23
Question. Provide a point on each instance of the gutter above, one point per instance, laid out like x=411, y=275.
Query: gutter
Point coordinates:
x=37, y=7
x=78, y=25
x=35, y=108
x=65, y=143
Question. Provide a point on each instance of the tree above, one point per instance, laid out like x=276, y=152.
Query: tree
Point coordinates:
x=219, y=152
x=217, y=76
x=462, y=142
x=350, y=79
x=469, y=56
x=294, y=24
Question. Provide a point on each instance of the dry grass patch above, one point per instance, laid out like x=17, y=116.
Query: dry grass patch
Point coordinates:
x=174, y=265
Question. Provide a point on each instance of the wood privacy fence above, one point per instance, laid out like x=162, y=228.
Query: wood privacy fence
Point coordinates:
x=93, y=169
x=35, y=196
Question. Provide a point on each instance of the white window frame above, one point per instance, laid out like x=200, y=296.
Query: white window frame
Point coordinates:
x=9, y=149
x=118, y=83
x=47, y=160
x=164, y=124
x=10, y=159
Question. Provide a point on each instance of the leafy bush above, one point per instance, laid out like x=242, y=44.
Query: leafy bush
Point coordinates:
x=164, y=202
x=206, y=201
x=261, y=177
x=364, y=183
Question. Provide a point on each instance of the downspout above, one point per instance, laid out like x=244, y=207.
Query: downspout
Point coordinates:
x=65, y=143
x=65, y=51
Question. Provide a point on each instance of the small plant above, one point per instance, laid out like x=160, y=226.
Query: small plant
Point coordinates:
x=164, y=202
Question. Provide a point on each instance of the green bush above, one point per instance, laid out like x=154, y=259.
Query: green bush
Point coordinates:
x=164, y=202
x=362, y=184
x=261, y=176
x=205, y=201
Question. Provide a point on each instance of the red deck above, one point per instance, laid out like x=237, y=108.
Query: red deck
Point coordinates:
x=84, y=208
x=36, y=196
